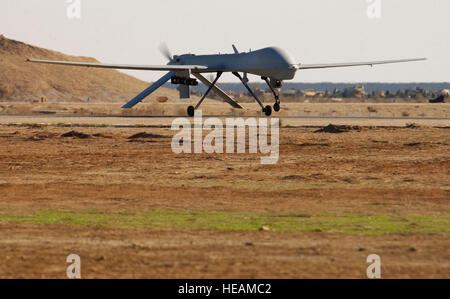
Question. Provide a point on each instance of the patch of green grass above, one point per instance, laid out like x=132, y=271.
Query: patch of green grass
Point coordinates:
x=29, y=125
x=237, y=221
x=60, y=125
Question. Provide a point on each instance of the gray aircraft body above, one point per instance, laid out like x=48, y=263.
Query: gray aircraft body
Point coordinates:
x=274, y=65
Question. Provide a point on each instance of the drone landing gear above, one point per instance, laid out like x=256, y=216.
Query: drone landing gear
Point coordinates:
x=191, y=109
x=276, y=106
x=266, y=110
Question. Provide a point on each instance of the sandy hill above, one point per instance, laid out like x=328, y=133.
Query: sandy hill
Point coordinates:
x=22, y=81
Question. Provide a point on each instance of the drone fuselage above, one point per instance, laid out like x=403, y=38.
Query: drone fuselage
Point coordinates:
x=271, y=62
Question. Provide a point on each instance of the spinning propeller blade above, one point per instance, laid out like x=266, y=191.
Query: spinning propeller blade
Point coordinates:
x=164, y=49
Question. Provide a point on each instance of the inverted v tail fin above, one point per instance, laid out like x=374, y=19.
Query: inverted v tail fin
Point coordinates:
x=136, y=100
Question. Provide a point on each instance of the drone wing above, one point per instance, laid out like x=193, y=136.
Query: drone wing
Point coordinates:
x=123, y=66
x=348, y=64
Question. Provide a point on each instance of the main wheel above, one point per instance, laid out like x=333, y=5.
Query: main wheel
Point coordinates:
x=268, y=111
x=191, y=111
x=276, y=107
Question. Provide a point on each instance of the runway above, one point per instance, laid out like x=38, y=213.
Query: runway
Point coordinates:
x=166, y=121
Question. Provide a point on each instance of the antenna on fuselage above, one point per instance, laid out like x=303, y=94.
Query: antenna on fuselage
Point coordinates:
x=245, y=74
x=235, y=50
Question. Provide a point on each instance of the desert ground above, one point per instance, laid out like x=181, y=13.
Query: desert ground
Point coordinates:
x=115, y=194
x=213, y=107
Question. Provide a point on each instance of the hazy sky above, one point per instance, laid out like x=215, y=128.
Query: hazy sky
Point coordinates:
x=313, y=31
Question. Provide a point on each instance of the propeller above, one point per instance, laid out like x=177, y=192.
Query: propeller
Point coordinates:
x=164, y=49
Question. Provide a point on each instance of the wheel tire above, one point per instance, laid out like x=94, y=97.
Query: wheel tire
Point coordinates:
x=268, y=111
x=276, y=107
x=191, y=111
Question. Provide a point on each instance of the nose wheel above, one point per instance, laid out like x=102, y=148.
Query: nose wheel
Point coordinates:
x=191, y=111
x=276, y=107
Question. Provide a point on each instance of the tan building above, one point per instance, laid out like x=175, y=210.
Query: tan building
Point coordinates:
x=308, y=93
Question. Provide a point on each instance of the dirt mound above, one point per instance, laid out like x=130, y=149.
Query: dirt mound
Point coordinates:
x=24, y=81
x=145, y=135
x=413, y=144
x=41, y=136
x=76, y=134
x=336, y=129
x=414, y=126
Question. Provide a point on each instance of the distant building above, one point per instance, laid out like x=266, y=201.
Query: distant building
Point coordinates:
x=359, y=92
x=356, y=91
x=291, y=93
x=308, y=93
